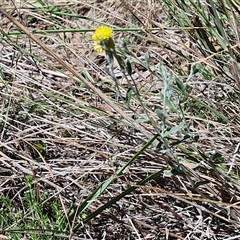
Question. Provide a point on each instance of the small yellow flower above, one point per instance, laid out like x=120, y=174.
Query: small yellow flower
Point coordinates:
x=97, y=47
x=102, y=37
x=102, y=33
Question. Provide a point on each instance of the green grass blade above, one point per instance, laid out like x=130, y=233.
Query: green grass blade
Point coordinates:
x=95, y=194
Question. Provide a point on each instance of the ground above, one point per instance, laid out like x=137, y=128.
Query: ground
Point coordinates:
x=156, y=128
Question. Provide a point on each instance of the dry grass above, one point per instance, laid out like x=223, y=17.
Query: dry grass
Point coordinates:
x=61, y=132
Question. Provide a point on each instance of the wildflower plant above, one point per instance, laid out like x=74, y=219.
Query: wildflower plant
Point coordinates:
x=103, y=40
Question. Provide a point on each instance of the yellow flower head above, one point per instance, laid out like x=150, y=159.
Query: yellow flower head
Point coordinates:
x=102, y=37
x=102, y=33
